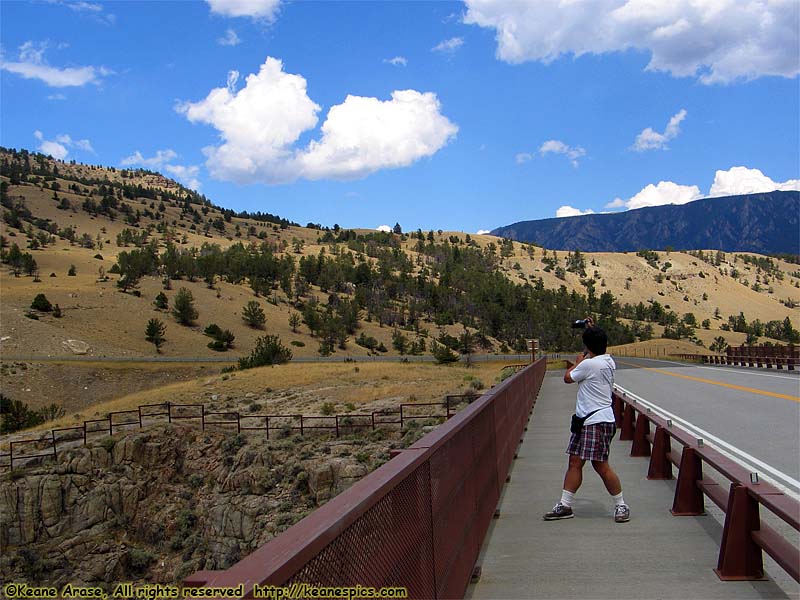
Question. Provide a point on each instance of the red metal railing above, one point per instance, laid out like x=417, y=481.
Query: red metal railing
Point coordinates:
x=418, y=521
x=744, y=535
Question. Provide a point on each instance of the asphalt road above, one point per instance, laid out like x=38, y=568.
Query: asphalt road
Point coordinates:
x=755, y=410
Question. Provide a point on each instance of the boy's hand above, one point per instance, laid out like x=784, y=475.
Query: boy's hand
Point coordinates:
x=579, y=358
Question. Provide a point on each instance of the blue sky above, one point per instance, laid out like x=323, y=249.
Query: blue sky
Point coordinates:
x=443, y=115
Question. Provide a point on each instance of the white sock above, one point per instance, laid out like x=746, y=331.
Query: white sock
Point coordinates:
x=566, y=497
x=618, y=499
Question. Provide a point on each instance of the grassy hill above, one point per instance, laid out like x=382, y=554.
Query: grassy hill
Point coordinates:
x=423, y=286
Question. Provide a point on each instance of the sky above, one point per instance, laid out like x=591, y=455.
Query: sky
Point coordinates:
x=436, y=115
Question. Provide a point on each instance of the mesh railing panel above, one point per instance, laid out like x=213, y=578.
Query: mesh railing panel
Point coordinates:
x=389, y=545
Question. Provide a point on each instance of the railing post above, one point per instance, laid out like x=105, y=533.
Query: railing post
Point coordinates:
x=660, y=466
x=626, y=434
x=740, y=557
x=640, y=446
x=688, y=499
x=616, y=406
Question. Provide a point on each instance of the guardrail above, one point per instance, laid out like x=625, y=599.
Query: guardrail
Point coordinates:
x=761, y=360
x=744, y=535
x=56, y=440
x=417, y=521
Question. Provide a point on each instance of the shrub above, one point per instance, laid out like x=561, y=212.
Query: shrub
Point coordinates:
x=298, y=344
x=98, y=256
x=253, y=315
x=15, y=415
x=41, y=303
x=161, y=301
x=72, y=272
x=269, y=350
x=328, y=408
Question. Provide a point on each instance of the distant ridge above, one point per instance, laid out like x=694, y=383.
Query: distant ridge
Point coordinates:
x=765, y=223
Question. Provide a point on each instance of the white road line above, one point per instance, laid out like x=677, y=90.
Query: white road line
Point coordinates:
x=749, y=373
x=778, y=478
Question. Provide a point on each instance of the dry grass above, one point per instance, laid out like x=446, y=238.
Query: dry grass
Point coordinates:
x=303, y=388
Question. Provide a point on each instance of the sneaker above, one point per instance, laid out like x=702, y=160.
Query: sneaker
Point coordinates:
x=622, y=513
x=559, y=511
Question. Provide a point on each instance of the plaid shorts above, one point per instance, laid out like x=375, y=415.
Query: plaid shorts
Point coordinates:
x=594, y=442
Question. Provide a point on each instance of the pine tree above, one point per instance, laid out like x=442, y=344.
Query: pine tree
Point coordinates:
x=253, y=315
x=183, y=308
x=154, y=333
x=294, y=321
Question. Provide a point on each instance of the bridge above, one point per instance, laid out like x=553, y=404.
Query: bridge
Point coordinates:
x=708, y=458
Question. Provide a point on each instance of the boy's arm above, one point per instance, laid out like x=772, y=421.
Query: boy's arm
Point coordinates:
x=568, y=375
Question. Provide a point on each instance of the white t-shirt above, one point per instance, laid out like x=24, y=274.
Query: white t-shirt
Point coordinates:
x=595, y=378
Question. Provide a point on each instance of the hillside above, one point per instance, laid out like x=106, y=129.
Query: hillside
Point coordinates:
x=764, y=223
x=349, y=293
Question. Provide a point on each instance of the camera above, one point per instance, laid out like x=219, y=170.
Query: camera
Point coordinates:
x=580, y=324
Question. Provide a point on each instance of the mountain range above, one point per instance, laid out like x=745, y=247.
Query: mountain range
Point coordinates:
x=766, y=223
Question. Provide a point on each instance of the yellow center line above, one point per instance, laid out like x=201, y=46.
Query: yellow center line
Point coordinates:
x=741, y=388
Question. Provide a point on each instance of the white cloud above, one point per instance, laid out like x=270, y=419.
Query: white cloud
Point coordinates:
x=59, y=147
x=649, y=139
x=397, y=61
x=31, y=65
x=484, y=231
x=93, y=10
x=384, y=228
x=719, y=41
x=523, y=157
x=56, y=97
x=261, y=123
x=559, y=147
x=741, y=180
x=257, y=9
x=160, y=158
x=664, y=192
x=569, y=211
x=449, y=46
x=186, y=174
x=735, y=181
x=229, y=39
x=53, y=149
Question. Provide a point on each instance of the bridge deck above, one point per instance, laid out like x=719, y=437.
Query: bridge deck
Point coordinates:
x=655, y=555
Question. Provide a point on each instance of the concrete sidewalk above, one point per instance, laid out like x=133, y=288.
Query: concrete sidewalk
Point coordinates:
x=655, y=555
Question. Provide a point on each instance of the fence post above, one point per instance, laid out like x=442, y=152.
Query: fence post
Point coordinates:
x=626, y=434
x=740, y=557
x=266, y=421
x=337, y=425
x=55, y=451
x=11, y=457
x=238, y=423
x=688, y=499
x=660, y=466
x=202, y=417
x=140, y=417
x=401, y=416
x=169, y=412
x=640, y=446
x=301, y=425
x=84, y=433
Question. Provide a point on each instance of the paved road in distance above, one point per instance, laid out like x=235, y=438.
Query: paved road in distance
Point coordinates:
x=756, y=410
